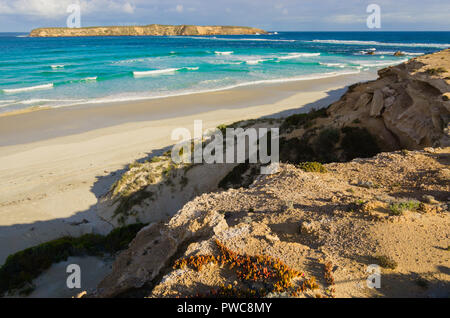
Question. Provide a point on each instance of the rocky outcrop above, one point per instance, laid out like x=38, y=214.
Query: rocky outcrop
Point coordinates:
x=407, y=107
x=153, y=29
x=305, y=220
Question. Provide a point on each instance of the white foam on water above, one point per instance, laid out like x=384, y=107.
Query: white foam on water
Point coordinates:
x=55, y=67
x=377, y=64
x=297, y=55
x=341, y=65
x=254, y=62
x=167, y=71
x=234, y=39
x=351, y=42
x=155, y=72
x=26, y=89
x=196, y=68
x=224, y=53
x=89, y=79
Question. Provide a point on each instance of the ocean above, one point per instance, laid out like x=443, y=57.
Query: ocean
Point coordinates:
x=58, y=72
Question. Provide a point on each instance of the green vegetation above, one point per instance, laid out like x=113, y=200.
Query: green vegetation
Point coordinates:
x=423, y=283
x=328, y=145
x=398, y=208
x=297, y=120
x=22, y=267
x=436, y=71
x=386, y=262
x=235, y=176
x=312, y=167
x=325, y=144
x=355, y=206
x=358, y=143
x=127, y=202
x=242, y=175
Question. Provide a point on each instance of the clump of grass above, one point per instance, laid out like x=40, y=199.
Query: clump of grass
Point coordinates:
x=222, y=128
x=386, y=261
x=297, y=120
x=127, y=202
x=423, y=283
x=436, y=71
x=325, y=144
x=358, y=143
x=296, y=150
x=270, y=272
x=242, y=175
x=22, y=267
x=398, y=208
x=312, y=167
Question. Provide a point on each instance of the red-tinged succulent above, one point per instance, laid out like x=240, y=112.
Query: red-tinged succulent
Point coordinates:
x=259, y=269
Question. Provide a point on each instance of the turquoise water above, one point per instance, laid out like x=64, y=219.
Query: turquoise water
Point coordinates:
x=59, y=72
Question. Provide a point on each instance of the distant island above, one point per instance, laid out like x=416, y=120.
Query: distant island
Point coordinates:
x=153, y=29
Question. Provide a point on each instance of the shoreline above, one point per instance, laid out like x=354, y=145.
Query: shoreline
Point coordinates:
x=50, y=122
x=67, y=158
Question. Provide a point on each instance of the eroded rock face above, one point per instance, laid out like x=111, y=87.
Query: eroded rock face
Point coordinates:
x=407, y=107
x=153, y=29
x=154, y=247
x=305, y=220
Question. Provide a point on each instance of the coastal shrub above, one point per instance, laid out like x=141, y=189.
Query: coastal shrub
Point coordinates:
x=436, y=71
x=422, y=283
x=127, y=202
x=235, y=176
x=325, y=144
x=242, y=175
x=22, y=267
x=297, y=120
x=119, y=238
x=312, y=167
x=398, y=208
x=386, y=261
x=358, y=143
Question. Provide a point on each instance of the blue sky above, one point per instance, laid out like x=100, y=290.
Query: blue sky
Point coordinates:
x=280, y=15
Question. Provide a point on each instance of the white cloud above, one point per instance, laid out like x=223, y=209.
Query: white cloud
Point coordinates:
x=179, y=8
x=128, y=8
x=58, y=8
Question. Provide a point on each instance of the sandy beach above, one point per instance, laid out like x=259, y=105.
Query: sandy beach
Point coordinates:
x=56, y=163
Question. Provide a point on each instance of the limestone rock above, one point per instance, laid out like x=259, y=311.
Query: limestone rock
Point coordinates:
x=377, y=104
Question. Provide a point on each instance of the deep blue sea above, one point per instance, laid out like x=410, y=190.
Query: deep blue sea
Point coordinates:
x=68, y=71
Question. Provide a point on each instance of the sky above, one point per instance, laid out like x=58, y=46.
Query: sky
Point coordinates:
x=272, y=15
